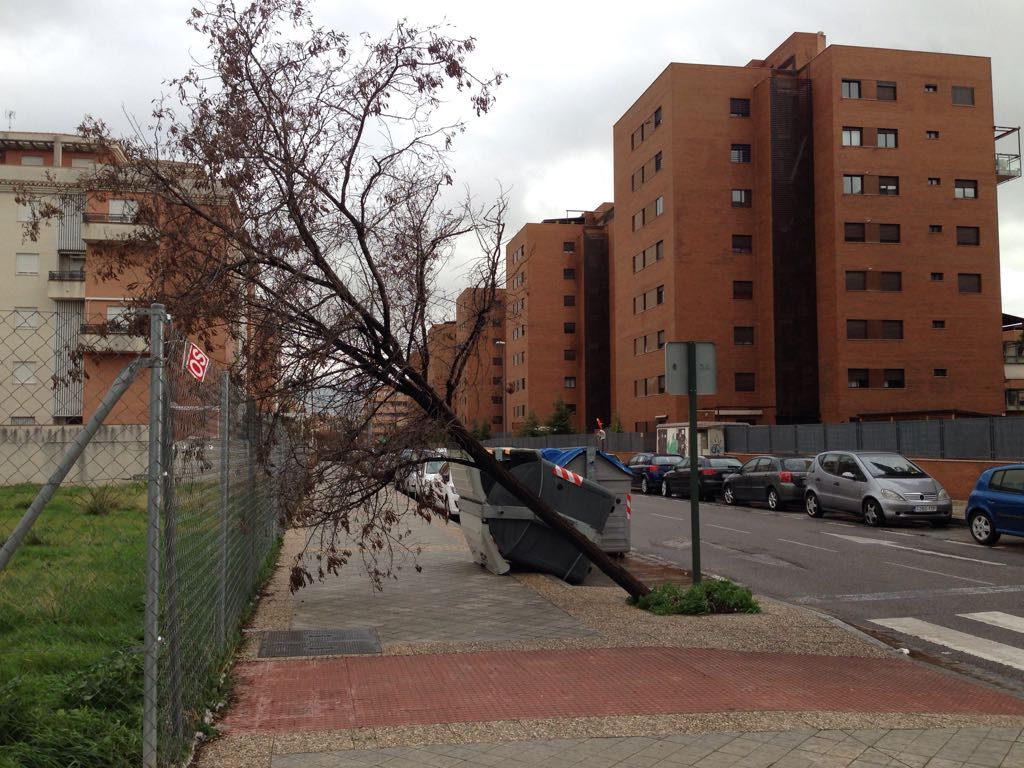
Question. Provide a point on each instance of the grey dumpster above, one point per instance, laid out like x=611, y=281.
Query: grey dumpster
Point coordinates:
x=606, y=470
x=516, y=534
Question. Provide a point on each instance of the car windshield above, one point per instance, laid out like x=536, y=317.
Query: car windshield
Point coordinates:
x=890, y=465
x=725, y=463
x=797, y=465
x=669, y=460
x=433, y=467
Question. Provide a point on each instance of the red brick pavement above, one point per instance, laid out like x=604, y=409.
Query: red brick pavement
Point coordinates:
x=356, y=692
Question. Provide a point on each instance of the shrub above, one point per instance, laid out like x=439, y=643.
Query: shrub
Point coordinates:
x=100, y=500
x=716, y=596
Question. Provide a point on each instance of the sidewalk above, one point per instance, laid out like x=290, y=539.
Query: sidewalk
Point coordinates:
x=480, y=670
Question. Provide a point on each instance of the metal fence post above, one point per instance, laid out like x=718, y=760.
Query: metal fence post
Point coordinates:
x=225, y=468
x=152, y=640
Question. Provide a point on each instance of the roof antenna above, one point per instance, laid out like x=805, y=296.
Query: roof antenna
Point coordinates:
x=9, y=114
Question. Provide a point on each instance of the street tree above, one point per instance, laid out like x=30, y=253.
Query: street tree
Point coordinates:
x=296, y=189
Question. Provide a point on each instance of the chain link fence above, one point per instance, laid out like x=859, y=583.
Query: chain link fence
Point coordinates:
x=139, y=509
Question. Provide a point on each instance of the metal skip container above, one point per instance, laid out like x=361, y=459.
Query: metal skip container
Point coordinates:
x=501, y=532
x=606, y=470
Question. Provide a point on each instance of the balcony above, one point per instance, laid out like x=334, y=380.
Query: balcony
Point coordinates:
x=1007, y=161
x=113, y=339
x=66, y=284
x=110, y=227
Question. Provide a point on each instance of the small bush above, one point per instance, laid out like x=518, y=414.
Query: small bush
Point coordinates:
x=717, y=596
x=100, y=500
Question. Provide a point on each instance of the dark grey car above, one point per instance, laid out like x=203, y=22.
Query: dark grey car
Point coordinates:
x=775, y=480
x=879, y=485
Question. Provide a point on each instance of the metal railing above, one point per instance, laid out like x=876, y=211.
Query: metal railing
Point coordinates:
x=67, y=275
x=109, y=218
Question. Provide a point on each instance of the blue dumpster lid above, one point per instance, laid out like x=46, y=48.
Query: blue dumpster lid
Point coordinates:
x=562, y=456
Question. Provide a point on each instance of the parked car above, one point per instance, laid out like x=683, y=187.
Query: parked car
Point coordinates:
x=649, y=468
x=713, y=470
x=776, y=480
x=996, y=505
x=879, y=485
x=435, y=488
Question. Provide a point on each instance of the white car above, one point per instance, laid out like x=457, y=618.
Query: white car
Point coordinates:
x=434, y=486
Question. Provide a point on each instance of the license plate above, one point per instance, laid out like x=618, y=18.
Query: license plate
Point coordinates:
x=926, y=508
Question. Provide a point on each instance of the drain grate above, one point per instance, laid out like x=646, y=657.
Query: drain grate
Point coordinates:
x=319, y=642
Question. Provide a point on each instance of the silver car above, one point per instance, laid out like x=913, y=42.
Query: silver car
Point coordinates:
x=881, y=486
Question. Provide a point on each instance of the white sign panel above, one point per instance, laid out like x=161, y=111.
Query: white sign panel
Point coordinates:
x=676, y=367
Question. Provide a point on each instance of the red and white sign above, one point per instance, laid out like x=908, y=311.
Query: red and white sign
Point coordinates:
x=565, y=474
x=196, y=361
x=629, y=507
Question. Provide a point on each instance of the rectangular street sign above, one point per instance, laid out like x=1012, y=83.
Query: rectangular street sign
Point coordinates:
x=675, y=367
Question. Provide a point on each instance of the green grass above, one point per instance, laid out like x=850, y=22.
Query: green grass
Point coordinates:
x=715, y=596
x=71, y=605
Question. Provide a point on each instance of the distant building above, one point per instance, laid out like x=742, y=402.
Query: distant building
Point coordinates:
x=479, y=397
x=558, y=319
x=827, y=217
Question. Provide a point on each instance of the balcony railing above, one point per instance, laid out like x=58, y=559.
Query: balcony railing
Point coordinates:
x=1007, y=162
x=1007, y=167
x=67, y=275
x=109, y=218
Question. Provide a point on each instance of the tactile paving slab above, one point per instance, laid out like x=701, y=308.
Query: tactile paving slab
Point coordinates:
x=319, y=642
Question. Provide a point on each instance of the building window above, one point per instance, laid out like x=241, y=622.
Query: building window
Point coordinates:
x=856, y=280
x=638, y=220
x=742, y=289
x=569, y=327
x=657, y=162
x=570, y=382
x=741, y=198
x=740, y=153
x=743, y=335
x=496, y=381
x=938, y=277
x=739, y=107
x=569, y=246
x=26, y=318
x=742, y=243
x=852, y=136
x=965, y=189
x=931, y=88
x=744, y=382
x=968, y=236
x=934, y=228
x=569, y=274
x=939, y=373
x=857, y=378
x=931, y=134
x=657, y=117
x=887, y=138
x=938, y=324
x=661, y=339
x=888, y=185
x=649, y=256
x=856, y=329
x=969, y=282
x=659, y=206
x=963, y=95
x=23, y=421
x=26, y=264
x=851, y=89
x=568, y=354
x=892, y=378
x=888, y=233
x=853, y=232
x=24, y=372
x=123, y=211
x=853, y=185
x=569, y=301
x=890, y=281
x=892, y=329
x=934, y=181
x=661, y=384
x=496, y=361
x=31, y=159
x=885, y=91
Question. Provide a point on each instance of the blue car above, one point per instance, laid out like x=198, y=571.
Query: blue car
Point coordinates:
x=996, y=505
x=649, y=468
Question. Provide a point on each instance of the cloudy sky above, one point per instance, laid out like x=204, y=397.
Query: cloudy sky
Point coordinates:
x=574, y=69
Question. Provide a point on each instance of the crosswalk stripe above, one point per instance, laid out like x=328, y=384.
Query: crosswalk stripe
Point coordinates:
x=997, y=619
x=958, y=641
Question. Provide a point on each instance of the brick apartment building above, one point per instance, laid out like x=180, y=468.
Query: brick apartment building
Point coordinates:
x=480, y=394
x=558, y=319
x=827, y=217
x=67, y=322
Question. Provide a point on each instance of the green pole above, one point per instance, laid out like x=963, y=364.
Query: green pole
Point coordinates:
x=691, y=390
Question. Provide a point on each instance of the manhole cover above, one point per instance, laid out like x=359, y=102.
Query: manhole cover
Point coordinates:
x=319, y=642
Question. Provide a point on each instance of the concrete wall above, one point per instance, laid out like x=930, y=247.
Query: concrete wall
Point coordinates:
x=31, y=454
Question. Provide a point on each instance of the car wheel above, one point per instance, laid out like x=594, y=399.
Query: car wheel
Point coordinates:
x=982, y=529
x=644, y=487
x=812, y=505
x=728, y=496
x=665, y=489
x=873, y=514
x=774, y=502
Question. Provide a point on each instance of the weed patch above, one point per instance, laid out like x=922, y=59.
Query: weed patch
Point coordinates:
x=716, y=596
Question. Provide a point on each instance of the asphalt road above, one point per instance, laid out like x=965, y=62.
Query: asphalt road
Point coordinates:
x=933, y=592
